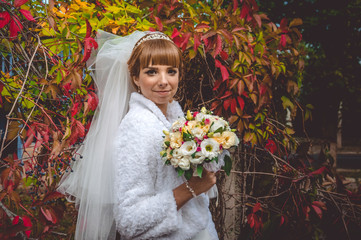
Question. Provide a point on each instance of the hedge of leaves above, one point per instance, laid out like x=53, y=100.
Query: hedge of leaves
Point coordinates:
x=237, y=62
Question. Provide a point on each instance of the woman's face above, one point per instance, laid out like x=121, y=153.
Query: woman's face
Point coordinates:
x=158, y=83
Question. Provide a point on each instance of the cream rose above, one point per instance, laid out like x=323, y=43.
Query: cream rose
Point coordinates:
x=178, y=124
x=175, y=140
x=198, y=132
x=230, y=139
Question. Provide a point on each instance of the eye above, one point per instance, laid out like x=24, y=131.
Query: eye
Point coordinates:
x=151, y=72
x=172, y=71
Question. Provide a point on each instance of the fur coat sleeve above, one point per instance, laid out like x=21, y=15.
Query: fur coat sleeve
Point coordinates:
x=145, y=205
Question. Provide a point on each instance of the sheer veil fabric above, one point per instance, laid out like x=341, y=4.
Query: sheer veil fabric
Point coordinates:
x=91, y=184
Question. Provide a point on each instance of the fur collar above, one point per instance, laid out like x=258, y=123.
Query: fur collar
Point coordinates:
x=174, y=110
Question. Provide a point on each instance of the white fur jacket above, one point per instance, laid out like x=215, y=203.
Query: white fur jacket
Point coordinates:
x=145, y=206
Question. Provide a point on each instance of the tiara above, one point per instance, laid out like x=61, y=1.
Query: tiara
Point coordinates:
x=152, y=36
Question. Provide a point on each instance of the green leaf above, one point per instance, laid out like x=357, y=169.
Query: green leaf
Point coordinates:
x=180, y=171
x=286, y=102
x=187, y=136
x=227, y=165
x=199, y=170
x=167, y=143
x=188, y=174
x=219, y=130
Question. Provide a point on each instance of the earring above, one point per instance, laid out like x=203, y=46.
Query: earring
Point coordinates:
x=138, y=89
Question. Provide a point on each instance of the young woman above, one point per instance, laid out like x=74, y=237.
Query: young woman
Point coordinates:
x=148, y=199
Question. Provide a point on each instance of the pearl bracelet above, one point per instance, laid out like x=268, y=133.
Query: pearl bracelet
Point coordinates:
x=190, y=189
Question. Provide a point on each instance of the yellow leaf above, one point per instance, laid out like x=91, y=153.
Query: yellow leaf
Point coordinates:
x=289, y=131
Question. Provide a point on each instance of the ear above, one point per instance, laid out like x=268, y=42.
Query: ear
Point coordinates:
x=136, y=80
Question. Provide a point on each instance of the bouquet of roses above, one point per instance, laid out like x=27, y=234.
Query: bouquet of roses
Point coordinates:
x=199, y=140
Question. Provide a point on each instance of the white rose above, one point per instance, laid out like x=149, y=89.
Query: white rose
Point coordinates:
x=176, y=153
x=178, y=124
x=184, y=163
x=198, y=158
x=230, y=139
x=210, y=148
x=174, y=162
x=188, y=148
x=198, y=132
x=219, y=123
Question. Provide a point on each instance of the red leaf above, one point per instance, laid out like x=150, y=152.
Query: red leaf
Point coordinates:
x=226, y=94
x=77, y=131
x=218, y=47
x=27, y=14
x=271, y=146
x=88, y=28
x=16, y=220
x=256, y=207
x=282, y=220
x=263, y=89
x=244, y=11
x=159, y=23
x=89, y=43
x=184, y=44
x=18, y=3
x=74, y=109
x=92, y=101
x=240, y=102
x=283, y=40
x=15, y=27
x=4, y=19
x=224, y=72
x=175, y=33
x=27, y=222
x=224, y=55
x=235, y=5
x=283, y=24
x=227, y=103
x=320, y=204
x=160, y=6
x=197, y=41
x=250, y=219
x=201, y=25
x=233, y=106
x=217, y=84
x=317, y=210
x=318, y=171
x=258, y=19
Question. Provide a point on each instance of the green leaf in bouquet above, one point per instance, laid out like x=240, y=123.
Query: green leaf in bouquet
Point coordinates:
x=199, y=170
x=187, y=136
x=167, y=162
x=188, y=174
x=219, y=130
x=180, y=171
x=215, y=159
x=227, y=164
x=167, y=143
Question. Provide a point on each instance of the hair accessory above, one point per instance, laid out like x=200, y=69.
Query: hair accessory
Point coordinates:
x=152, y=36
x=190, y=189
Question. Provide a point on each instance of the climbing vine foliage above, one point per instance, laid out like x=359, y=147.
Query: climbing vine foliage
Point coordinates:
x=238, y=62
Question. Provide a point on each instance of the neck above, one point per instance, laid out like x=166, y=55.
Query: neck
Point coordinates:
x=163, y=108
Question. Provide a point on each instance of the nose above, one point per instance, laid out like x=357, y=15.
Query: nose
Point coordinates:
x=163, y=81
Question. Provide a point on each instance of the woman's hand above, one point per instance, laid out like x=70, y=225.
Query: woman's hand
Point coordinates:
x=199, y=185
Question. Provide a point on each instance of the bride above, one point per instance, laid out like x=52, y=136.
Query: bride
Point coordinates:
x=121, y=185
